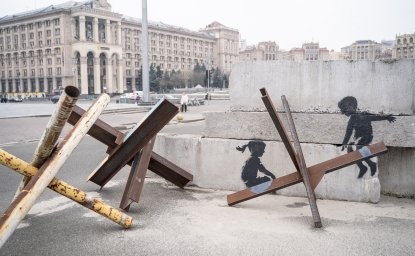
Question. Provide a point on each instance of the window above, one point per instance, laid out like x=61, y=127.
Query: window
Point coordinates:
x=56, y=21
x=58, y=71
x=57, y=41
x=47, y=23
x=31, y=35
x=49, y=61
x=49, y=71
x=39, y=34
x=41, y=71
x=58, y=60
x=48, y=33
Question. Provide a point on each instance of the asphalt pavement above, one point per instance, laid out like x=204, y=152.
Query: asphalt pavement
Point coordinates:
x=190, y=221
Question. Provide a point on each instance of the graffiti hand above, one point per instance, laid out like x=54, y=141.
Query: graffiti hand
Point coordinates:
x=344, y=147
x=391, y=119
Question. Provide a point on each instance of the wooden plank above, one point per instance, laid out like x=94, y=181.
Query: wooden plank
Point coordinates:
x=111, y=137
x=135, y=185
x=315, y=171
x=280, y=127
x=139, y=136
x=303, y=168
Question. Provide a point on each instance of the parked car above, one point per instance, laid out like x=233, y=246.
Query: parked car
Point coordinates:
x=55, y=98
x=15, y=99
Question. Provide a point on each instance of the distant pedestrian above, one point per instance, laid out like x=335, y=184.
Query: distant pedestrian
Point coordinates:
x=360, y=124
x=253, y=165
x=184, y=100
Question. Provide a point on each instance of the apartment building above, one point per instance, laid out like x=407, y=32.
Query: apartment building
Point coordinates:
x=263, y=51
x=363, y=50
x=404, y=47
x=87, y=45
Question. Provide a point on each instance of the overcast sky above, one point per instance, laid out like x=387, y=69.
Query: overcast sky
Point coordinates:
x=332, y=23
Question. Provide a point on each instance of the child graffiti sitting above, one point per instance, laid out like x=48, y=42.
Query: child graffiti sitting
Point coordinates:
x=361, y=125
x=253, y=164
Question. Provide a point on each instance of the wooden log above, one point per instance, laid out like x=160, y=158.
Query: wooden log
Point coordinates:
x=25, y=200
x=67, y=190
x=53, y=129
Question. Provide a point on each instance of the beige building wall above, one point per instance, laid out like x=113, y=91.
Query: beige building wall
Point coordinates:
x=226, y=52
x=170, y=48
x=404, y=47
x=363, y=50
x=262, y=51
x=87, y=45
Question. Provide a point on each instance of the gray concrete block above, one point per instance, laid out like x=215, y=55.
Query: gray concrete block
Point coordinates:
x=317, y=86
x=311, y=128
x=397, y=175
x=215, y=163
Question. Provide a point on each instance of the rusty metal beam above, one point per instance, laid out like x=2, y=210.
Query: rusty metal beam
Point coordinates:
x=137, y=176
x=101, y=131
x=303, y=167
x=133, y=142
x=316, y=173
x=280, y=127
x=111, y=137
x=53, y=129
x=67, y=190
x=168, y=170
x=25, y=200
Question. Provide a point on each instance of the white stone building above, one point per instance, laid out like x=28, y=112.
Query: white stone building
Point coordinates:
x=363, y=50
x=263, y=51
x=404, y=47
x=87, y=45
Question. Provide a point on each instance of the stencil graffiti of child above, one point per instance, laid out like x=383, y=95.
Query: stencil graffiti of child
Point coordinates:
x=253, y=165
x=361, y=125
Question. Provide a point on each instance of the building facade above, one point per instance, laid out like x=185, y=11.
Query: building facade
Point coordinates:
x=226, y=49
x=363, y=50
x=87, y=45
x=262, y=51
x=308, y=52
x=404, y=47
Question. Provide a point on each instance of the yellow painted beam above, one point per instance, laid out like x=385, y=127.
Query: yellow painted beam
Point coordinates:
x=67, y=190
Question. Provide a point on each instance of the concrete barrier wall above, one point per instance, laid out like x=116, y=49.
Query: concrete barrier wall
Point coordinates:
x=215, y=163
x=311, y=128
x=397, y=176
x=318, y=86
